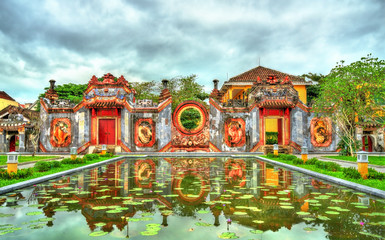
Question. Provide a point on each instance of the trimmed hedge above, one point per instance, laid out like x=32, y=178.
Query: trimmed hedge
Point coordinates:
x=351, y=172
x=43, y=166
x=91, y=157
x=75, y=161
x=21, y=173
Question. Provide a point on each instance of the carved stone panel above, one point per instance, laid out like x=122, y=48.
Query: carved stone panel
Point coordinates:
x=60, y=132
x=320, y=132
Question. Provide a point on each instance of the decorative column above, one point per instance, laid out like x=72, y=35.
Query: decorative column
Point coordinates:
x=12, y=161
x=275, y=148
x=21, y=131
x=94, y=130
x=304, y=154
x=362, y=164
x=2, y=140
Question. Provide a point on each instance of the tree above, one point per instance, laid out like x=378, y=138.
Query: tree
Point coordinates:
x=186, y=88
x=349, y=96
x=313, y=91
x=146, y=90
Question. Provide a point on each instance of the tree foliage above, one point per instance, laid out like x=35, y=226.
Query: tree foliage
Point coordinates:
x=147, y=90
x=186, y=88
x=313, y=91
x=181, y=88
x=351, y=95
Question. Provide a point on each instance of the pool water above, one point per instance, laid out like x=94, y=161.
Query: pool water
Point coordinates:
x=190, y=198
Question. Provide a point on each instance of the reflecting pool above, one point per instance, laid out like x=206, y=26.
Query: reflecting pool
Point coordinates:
x=190, y=198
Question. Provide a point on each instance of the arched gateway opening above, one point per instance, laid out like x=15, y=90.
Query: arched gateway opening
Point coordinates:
x=190, y=128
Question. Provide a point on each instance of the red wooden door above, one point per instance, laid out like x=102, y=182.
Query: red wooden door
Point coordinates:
x=12, y=144
x=107, y=131
x=280, y=135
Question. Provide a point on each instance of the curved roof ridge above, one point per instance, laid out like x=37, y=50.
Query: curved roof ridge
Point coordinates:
x=263, y=72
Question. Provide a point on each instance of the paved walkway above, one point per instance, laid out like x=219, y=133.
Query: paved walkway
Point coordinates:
x=343, y=163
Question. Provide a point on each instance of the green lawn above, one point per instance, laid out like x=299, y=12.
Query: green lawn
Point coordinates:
x=3, y=159
x=367, y=182
x=64, y=167
x=372, y=159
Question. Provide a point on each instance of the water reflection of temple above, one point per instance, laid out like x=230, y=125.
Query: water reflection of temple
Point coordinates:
x=183, y=187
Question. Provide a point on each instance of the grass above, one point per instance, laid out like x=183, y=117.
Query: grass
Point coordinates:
x=367, y=182
x=64, y=167
x=372, y=159
x=3, y=159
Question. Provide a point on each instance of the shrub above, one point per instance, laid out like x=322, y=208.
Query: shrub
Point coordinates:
x=287, y=157
x=91, y=157
x=75, y=161
x=331, y=166
x=42, y=166
x=21, y=173
x=351, y=173
x=271, y=155
x=106, y=155
x=373, y=174
x=312, y=161
x=297, y=161
x=55, y=164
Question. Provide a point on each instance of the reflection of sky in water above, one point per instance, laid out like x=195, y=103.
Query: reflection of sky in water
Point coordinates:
x=260, y=182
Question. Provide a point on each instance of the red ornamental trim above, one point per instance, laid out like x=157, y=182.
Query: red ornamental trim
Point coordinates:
x=187, y=105
x=235, y=172
x=320, y=132
x=144, y=173
x=235, y=132
x=60, y=132
x=144, y=132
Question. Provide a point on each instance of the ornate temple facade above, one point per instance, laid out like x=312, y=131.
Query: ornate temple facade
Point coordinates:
x=108, y=115
x=241, y=117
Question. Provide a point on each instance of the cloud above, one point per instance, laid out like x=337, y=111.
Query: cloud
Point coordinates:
x=152, y=40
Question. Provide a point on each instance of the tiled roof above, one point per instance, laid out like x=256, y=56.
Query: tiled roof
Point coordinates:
x=4, y=95
x=263, y=73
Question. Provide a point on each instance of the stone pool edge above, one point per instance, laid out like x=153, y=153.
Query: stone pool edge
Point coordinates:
x=369, y=190
x=34, y=181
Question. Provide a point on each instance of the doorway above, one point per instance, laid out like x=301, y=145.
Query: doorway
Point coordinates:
x=273, y=131
x=107, y=131
x=367, y=144
x=12, y=143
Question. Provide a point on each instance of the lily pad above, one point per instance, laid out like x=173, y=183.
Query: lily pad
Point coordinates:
x=240, y=213
x=97, y=234
x=46, y=219
x=101, y=224
x=270, y=197
x=309, y=219
x=332, y=212
x=99, y=208
x=323, y=218
x=203, y=224
x=360, y=206
x=228, y=235
x=258, y=221
x=203, y=212
x=303, y=213
x=310, y=229
x=33, y=213
x=149, y=233
x=6, y=215
x=287, y=207
x=114, y=211
x=72, y=201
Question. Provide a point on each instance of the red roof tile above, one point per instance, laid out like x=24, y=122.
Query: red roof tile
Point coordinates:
x=4, y=95
x=263, y=73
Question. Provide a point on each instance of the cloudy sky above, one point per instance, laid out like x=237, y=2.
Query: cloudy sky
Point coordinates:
x=70, y=41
